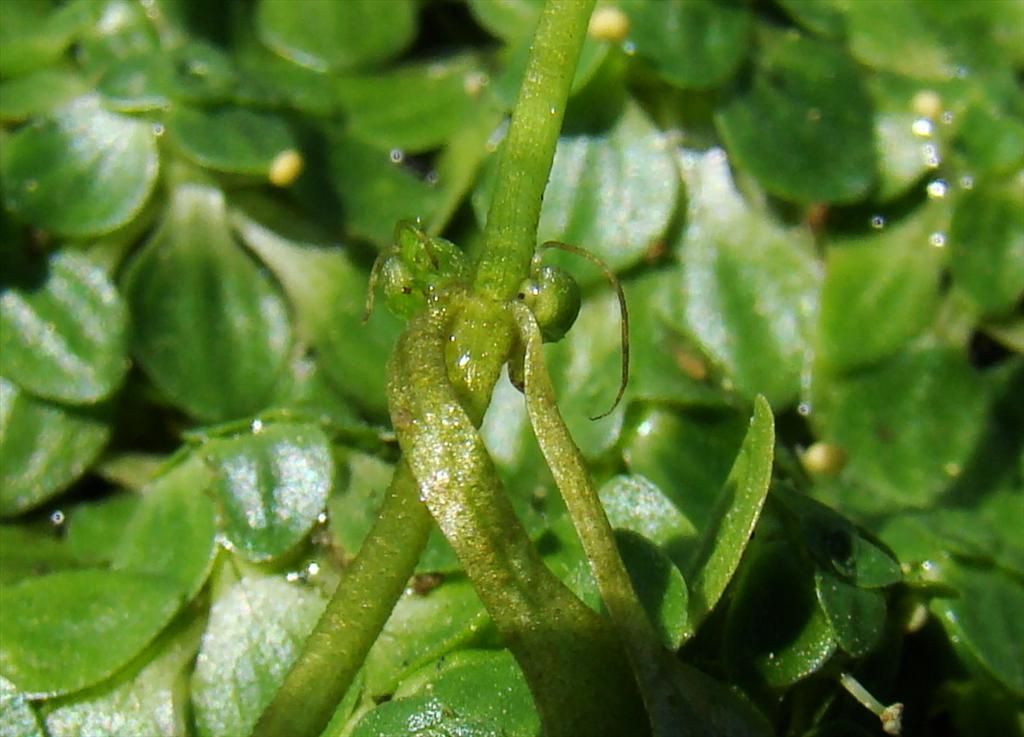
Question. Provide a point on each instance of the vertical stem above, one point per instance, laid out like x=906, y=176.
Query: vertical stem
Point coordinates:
x=510, y=236
x=355, y=615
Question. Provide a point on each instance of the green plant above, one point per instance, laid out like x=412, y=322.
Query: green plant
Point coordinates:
x=219, y=494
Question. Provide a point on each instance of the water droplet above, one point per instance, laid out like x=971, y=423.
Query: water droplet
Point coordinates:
x=432, y=178
x=937, y=239
x=552, y=110
x=322, y=518
x=936, y=189
x=947, y=117
x=158, y=129
x=256, y=425
x=967, y=181
x=922, y=127
x=930, y=154
x=396, y=155
x=629, y=48
x=57, y=518
x=313, y=568
x=877, y=222
x=463, y=361
x=803, y=409
x=292, y=576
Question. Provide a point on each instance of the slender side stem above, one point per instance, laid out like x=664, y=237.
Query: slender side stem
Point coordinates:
x=510, y=236
x=362, y=603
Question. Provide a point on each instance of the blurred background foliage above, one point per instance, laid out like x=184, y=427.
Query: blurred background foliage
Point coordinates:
x=817, y=200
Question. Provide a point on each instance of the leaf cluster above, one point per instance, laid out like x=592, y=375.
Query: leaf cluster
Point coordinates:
x=818, y=202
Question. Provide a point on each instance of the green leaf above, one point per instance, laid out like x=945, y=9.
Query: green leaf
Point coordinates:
x=353, y=506
x=63, y=331
x=254, y=634
x=211, y=329
x=57, y=178
x=329, y=35
x=696, y=44
x=990, y=140
x=880, y=290
x=34, y=34
x=837, y=545
x=414, y=108
x=328, y=293
x=171, y=532
x=987, y=246
x=897, y=37
x=659, y=586
x=376, y=191
x=507, y=19
x=626, y=171
x=93, y=531
x=17, y=719
x=121, y=31
x=687, y=455
x=634, y=503
x=984, y=621
x=423, y=627
x=37, y=93
x=26, y=551
x=145, y=699
x=856, y=615
x=735, y=515
x=750, y=287
x=44, y=447
x=72, y=629
x=775, y=631
x=803, y=127
x=458, y=695
x=270, y=486
x=137, y=84
x=229, y=139
x=907, y=427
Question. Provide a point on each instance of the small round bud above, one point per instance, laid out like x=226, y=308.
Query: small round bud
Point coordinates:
x=285, y=168
x=554, y=297
x=823, y=459
x=608, y=24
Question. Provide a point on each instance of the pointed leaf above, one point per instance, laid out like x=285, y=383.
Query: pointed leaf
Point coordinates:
x=736, y=514
x=211, y=329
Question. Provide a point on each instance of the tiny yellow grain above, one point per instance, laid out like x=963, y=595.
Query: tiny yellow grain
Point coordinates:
x=608, y=24
x=285, y=168
x=927, y=104
x=823, y=459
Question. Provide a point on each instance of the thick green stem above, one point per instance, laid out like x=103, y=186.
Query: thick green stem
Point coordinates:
x=510, y=237
x=571, y=657
x=362, y=603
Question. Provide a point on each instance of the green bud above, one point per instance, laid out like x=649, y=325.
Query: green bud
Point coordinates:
x=554, y=298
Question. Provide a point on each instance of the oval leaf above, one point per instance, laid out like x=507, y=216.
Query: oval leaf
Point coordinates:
x=691, y=43
x=750, y=287
x=803, y=127
x=907, y=427
x=63, y=331
x=270, y=486
x=856, y=615
x=71, y=629
x=43, y=447
x=79, y=185
x=211, y=329
x=328, y=35
x=229, y=139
